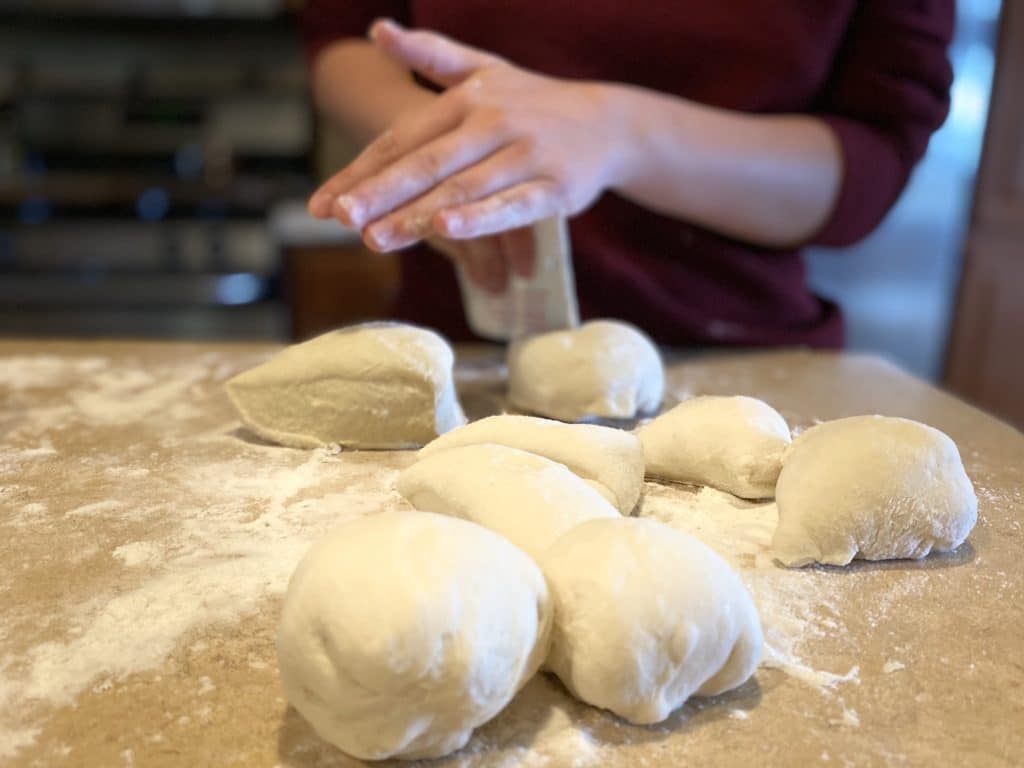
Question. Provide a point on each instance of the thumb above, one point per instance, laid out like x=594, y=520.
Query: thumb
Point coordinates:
x=434, y=56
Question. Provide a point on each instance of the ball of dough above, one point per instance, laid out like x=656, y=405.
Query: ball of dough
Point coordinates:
x=734, y=444
x=378, y=385
x=603, y=368
x=403, y=631
x=528, y=499
x=611, y=459
x=645, y=617
x=874, y=488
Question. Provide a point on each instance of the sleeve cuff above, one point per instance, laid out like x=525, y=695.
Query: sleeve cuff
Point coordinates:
x=873, y=175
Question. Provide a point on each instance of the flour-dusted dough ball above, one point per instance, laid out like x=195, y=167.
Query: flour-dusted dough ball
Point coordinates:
x=735, y=444
x=645, y=617
x=528, y=499
x=603, y=368
x=612, y=460
x=378, y=385
x=874, y=488
x=403, y=631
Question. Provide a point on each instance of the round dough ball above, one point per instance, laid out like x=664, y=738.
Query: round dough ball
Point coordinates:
x=612, y=460
x=402, y=632
x=604, y=368
x=378, y=385
x=528, y=499
x=874, y=488
x=645, y=617
x=735, y=444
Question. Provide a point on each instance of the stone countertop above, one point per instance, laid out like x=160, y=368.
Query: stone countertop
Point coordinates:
x=146, y=540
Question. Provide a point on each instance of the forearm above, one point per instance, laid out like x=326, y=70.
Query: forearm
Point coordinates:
x=767, y=179
x=362, y=90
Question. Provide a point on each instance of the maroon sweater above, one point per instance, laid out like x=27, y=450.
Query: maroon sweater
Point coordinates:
x=876, y=71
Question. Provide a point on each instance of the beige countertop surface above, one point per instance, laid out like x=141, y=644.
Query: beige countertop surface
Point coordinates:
x=146, y=540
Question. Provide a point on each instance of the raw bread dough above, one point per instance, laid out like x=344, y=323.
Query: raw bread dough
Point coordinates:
x=611, y=460
x=735, y=444
x=874, y=488
x=528, y=499
x=378, y=385
x=604, y=368
x=403, y=631
x=645, y=617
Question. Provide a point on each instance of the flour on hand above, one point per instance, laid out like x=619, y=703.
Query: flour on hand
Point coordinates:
x=874, y=488
x=604, y=368
x=403, y=631
x=378, y=385
x=734, y=444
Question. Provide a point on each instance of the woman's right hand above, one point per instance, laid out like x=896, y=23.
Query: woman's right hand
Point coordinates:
x=369, y=105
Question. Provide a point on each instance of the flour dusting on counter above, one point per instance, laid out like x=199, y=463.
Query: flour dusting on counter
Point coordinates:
x=135, y=511
x=796, y=606
x=231, y=518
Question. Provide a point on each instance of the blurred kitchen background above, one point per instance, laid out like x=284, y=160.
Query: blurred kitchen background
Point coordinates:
x=154, y=156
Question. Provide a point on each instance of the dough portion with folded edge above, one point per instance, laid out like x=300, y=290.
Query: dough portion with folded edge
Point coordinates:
x=873, y=488
x=401, y=632
x=611, y=460
x=735, y=444
x=603, y=369
x=378, y=385
x=528, y=499
x=645, y=617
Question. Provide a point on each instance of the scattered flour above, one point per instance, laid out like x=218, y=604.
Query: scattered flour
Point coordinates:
x=39, y=371
x=138, y=553
x=121, y=397
x=230, y=520
x=226, y=563
x=235, y=517
x=850, y=719
x=126, y=472
x=791, y=602
x=95, y=509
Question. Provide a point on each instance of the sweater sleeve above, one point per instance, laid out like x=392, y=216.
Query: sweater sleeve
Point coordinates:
x=887, y=93
x=326, y=21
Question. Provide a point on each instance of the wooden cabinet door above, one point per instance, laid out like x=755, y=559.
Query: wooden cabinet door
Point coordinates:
x=986, y=353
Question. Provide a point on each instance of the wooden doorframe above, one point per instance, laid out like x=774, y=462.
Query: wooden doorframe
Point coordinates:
x=985, y=360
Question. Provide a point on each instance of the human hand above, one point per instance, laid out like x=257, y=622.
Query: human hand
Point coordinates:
x=500, y=149
x=490, y=259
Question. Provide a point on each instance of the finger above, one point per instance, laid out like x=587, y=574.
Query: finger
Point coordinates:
x=517, y=247
x=489, y=267
x=471, y=260
x=434, y=56
x=452, y=249
x=517, y=206
x=422, y=170
x=409, y=134
x=505, y=168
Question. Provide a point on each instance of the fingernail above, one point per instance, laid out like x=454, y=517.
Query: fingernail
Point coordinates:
x=320, y=204
x=352, y=211
x=380, y=236
x=452, y=223
x=384, y=21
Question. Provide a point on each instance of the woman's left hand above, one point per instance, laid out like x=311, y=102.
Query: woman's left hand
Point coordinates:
x=499, y=149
